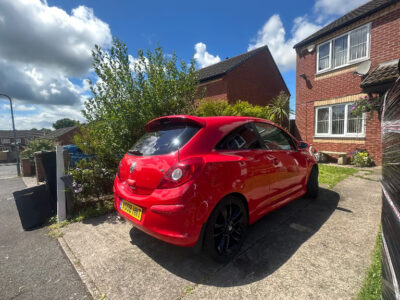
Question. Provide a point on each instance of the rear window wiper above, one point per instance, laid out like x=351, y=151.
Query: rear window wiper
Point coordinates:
x=135, y=152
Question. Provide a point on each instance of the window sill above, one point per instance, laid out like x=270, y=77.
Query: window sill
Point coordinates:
x=341, y=68
x=341, y=137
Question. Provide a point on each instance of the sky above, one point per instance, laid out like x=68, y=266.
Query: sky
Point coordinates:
x=45, y=46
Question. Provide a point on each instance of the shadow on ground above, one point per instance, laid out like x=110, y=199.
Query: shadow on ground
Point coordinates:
x=269, y=244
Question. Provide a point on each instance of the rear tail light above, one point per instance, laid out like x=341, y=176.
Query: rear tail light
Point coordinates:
x=181, y=173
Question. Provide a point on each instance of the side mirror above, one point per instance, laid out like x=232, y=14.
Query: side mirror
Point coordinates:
x=302, y=146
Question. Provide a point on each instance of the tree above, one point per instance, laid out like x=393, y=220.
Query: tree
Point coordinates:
x=63, y=123
x=128, y=94
x=37, y=145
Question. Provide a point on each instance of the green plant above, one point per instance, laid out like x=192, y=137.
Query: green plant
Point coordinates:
x=129, y=93
x=366, y=104
x=91, y=180
x=63, y=123
x=332, y=175
x=280, y=107
x=37, y=145
x=361, y=158
x=372, y=285
x=210, y=107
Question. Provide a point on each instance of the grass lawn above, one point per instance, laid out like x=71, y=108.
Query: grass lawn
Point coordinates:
x=332, y=175
x=371, y=287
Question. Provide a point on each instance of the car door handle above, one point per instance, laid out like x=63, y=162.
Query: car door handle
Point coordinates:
x=275, y=161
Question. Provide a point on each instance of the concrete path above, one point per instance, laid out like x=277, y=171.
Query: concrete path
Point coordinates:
x=32, y=265
x=310, y=249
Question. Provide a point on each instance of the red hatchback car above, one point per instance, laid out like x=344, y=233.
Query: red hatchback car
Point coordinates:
x=191, y=180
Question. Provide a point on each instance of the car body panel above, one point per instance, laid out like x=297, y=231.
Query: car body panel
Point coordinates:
x=266, y=179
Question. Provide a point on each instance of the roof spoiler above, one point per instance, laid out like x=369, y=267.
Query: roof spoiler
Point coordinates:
x=175, y=119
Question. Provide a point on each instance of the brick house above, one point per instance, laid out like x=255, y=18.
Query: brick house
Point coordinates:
x=327, y=85
x=23, y=137
x=252, y=76
x=63, y=136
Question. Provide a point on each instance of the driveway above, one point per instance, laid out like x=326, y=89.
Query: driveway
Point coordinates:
x=32, y=265
x=310, y=249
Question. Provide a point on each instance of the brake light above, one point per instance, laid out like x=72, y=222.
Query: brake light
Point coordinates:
x=180, y=173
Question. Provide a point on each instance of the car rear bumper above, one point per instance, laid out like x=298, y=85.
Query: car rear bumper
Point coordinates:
x=168, y=215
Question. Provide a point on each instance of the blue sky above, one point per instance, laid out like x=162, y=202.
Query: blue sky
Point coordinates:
x=47, y=65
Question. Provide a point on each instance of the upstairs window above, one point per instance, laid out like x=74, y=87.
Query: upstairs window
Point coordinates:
x=344, y=50
x=338, y=121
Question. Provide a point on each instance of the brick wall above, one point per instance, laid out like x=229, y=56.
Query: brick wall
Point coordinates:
x=257, y=80
x=385, y=46
x=214, y=89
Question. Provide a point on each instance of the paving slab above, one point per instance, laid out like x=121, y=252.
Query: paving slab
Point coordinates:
x=309, y=249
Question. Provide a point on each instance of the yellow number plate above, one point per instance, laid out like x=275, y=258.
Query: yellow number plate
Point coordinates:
x=131, y=209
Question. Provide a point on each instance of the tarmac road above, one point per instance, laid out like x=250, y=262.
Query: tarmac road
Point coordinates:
x=32, y=265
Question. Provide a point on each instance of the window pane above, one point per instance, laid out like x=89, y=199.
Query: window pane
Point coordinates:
x=340, y=51
x=243, y=137
x=274, y=138
x=358, y=43
x=354, y=123
x=323, y=120
x=163, y=141
x=338, y=119
x=323, y=52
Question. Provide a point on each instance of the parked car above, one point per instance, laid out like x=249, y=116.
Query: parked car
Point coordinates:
x=192, y=180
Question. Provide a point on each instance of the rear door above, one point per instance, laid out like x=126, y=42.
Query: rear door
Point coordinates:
x=289, y=167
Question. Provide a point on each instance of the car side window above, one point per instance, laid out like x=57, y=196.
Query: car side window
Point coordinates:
x=274, y=138
x=243, y=137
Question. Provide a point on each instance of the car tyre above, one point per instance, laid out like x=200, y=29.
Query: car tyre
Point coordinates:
x=226, y=229
x=312, y=184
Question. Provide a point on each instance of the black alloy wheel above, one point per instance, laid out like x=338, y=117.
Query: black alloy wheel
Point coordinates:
x=226, y=229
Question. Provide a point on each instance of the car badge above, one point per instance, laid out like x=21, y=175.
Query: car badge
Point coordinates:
x=132, y=168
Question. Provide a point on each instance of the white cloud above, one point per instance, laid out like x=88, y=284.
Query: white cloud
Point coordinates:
x=204, y=58
x=273, y=34
x=324, y=9
x=39, y=117
x=42, y=47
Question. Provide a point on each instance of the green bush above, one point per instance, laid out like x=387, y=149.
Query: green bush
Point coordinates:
x=209, y=107
x=91, y=180
x=128, y=94
x=37, y=145
x=361, y=158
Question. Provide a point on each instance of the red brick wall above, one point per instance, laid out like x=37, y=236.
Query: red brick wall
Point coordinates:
x=385, y=46
x=214, y=89
x=67, y=138
x=257, y=80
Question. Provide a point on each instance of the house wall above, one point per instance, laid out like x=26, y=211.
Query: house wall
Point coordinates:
x=257, y=81
x=214, y=89
x=66, y=138
x=341, y=85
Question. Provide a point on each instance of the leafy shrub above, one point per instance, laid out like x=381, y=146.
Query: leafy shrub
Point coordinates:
x=209, y=107
x=361, y=158
x=128, y=94
x=37, y=145
x=91, y=180
x=366, y=105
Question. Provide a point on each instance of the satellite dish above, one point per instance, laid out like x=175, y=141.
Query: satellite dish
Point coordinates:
x=363, y=68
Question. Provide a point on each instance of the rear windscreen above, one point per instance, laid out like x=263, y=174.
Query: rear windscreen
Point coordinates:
x=163, y=140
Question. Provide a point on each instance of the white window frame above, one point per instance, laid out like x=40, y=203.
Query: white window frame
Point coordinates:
x=349, y=62
x=345, y=133
x=6, y=141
